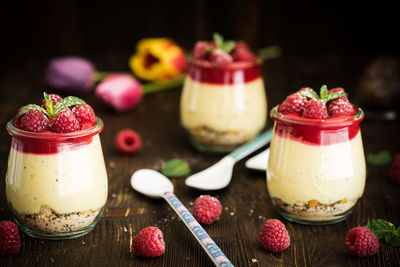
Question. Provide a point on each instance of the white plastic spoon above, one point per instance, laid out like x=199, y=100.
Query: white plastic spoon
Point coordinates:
x=258, y=162
x=155, y=185
x=219, y=175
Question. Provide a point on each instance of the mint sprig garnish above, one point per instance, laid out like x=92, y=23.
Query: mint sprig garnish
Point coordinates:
x=324, y=94
x=269, y=52
x=225, y=46
x=385, y=230
x=32, y=106
x=52, y=110
x=176, y=168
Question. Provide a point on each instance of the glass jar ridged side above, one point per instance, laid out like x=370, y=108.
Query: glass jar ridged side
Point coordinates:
x=56, y=184
x=316, y=169
x=223, y=107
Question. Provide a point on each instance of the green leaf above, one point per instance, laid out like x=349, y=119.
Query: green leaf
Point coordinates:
x=379, y=159
x=219, y=40
x=381, y=228
x=33, y=106
x=323, y=92
x=48, y=104
x=269, y=52
x=385, y=230
x=176, y=168
x=309, y=94
x=67, y=102
x=227, y=46
x=333, y=96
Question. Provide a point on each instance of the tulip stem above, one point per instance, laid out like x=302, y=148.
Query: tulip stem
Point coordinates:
x=98, y=76
x=158, y=86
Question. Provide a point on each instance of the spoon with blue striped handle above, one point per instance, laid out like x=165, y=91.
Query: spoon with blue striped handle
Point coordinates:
x=153, y=184
x=219, y=175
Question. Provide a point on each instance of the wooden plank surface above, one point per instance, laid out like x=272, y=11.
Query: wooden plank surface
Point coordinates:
x=246, y=203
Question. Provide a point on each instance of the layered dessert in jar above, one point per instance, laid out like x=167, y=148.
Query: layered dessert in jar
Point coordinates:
x=223, y=103
x=56, y=181
x=316, y=169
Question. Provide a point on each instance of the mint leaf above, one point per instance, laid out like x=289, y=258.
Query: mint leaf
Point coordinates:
x=378, y=159
x=227, y=46
x=176, y=168
x=67, y=102
x=323, y=92
x=333, y=96
x=385, y=230
x=219, y=40
x=48, y=104
x=309, y=94
x=33, y=106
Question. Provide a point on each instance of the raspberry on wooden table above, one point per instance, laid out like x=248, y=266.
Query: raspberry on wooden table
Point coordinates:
x=274, y=237
x=360, y=241
x=207, y=209
x=10, y=240
x=149, y=242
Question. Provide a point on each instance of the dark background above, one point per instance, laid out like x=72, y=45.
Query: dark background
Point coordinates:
x=42, y=29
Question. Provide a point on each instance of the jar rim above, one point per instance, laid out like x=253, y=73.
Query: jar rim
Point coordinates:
x=322, y=123
x=57, y=137
x=231, y=66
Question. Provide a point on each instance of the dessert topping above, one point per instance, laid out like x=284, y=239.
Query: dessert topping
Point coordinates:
x=34, y=121
x=294, y=103
x=65, y=122
x=128, y=141
x=220, y=52
x=360, y=241
x=274, y=237
x=84, y=113
x=315, y=109
x=207, y=209
x=10, y=239
x=55, y=115
x=307, y=103
x=149, y=242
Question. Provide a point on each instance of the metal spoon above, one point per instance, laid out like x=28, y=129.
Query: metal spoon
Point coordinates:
x=154, y=184
x=219, y=175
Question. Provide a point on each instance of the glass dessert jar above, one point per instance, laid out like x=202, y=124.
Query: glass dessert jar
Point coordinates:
x=56, y=183
x=316, y=169
x=223, y=107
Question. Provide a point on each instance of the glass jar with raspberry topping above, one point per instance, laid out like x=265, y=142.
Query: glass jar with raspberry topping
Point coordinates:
x=223, y=107
x=56, y=183
x=316, y=169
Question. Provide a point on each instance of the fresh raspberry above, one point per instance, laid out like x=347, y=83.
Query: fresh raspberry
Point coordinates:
x=149, y=242
x=34, y=121
x=241, y=52
x=219, y=58
x=340, y=106
x=206, y=209
x=65, y=122
x=360, y=241
x=54, y=99
x=315, y=109
x=274, y=237
x=84, y=114
x=201, y=49
x=395, y=170
x=128, y=141
x=10, y=239
x=294, y=103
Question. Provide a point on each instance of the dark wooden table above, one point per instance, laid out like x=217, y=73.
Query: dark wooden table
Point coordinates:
x=246, y=203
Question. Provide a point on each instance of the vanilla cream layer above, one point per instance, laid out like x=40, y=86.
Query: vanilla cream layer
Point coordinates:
x=241, y=107
x=69, y=181
x=299, y=172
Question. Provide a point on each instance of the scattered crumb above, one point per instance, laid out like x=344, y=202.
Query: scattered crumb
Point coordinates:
x=254, y=260
x=52, y=260
x=112, y=164
x=232, y=213
x=226, y=208
x=191, y=203
x=113, y=195
x=83, y=242
x=127, y=212
x=125, y=230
